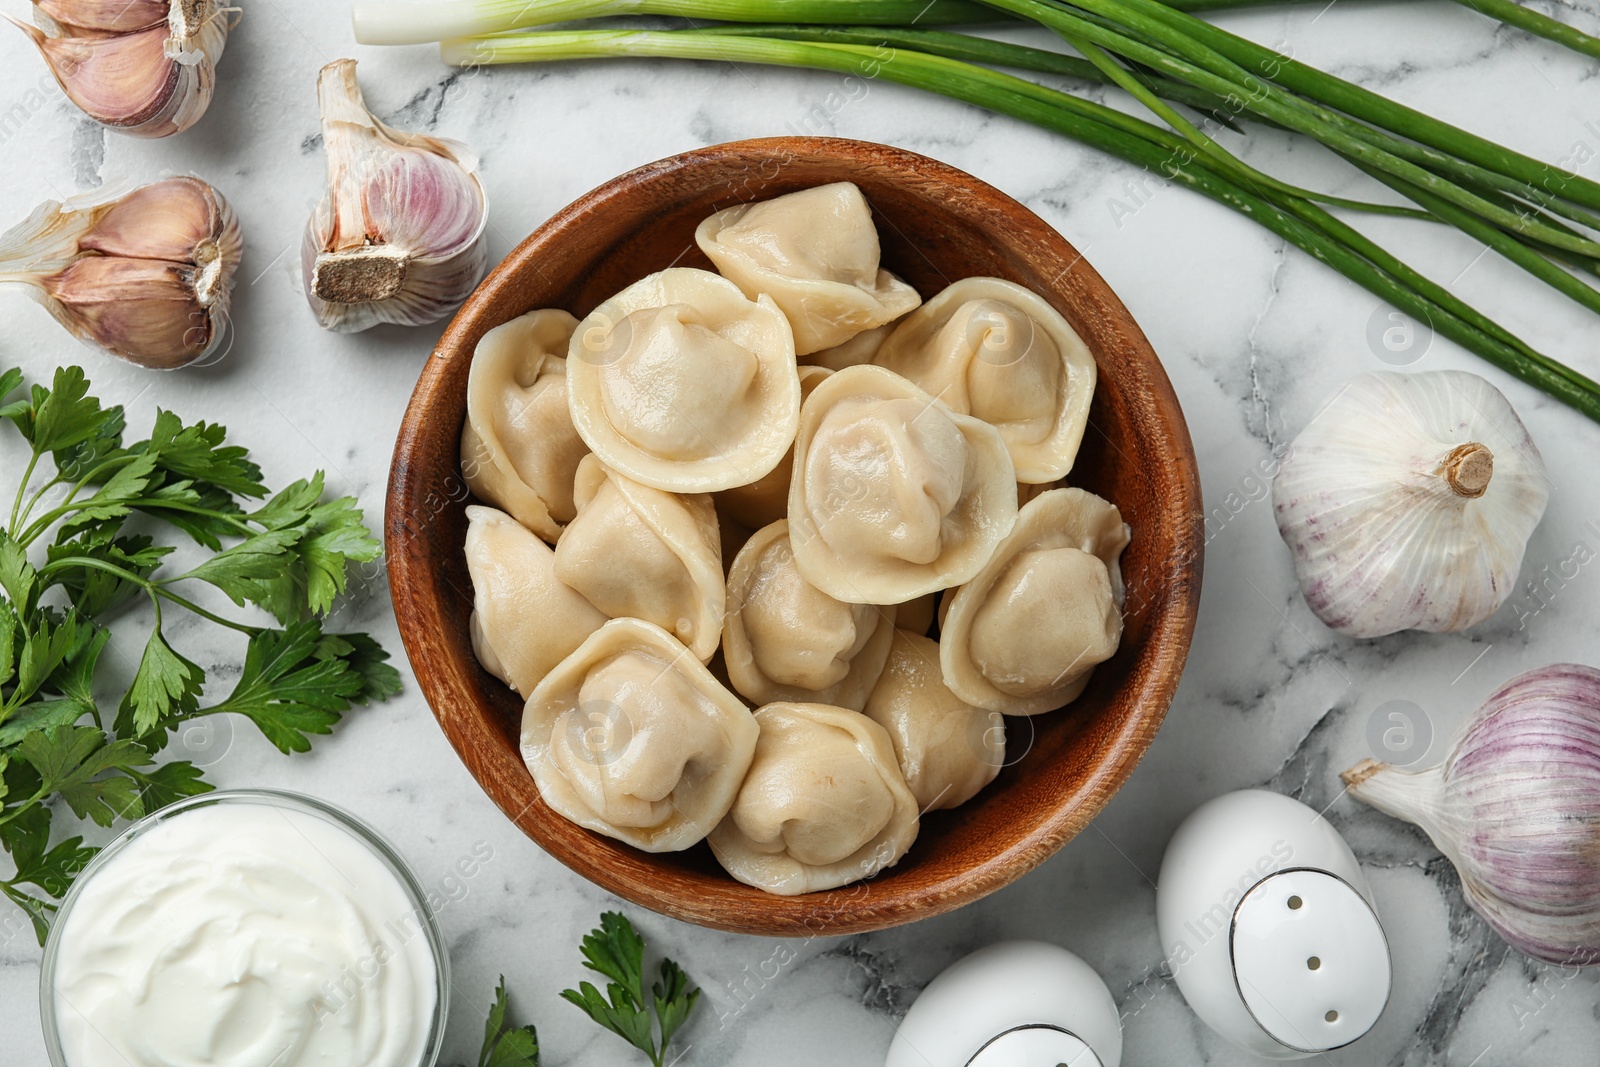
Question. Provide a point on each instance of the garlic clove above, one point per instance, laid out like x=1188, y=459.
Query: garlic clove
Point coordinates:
x=121, y=81
x=1408, y=502
x=148, y=276
x=171, y=219
x=144, y=310
x=400, y=233
x=76, y=17
x=152, y=81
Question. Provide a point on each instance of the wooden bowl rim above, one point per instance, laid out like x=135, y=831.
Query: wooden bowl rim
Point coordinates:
x=1170, y=633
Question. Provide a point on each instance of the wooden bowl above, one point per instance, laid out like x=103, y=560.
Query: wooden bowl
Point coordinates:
x=937, y=224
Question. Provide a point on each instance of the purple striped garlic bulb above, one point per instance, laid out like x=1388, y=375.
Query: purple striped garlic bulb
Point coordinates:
x=400, y=233
x=1516, y=808
x=1408, y=501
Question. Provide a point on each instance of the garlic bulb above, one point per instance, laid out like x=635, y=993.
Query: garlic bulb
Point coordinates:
x=145, y=67
x=1408, y=502
x=147, y=276
x=399, y=235
x=1516, y=808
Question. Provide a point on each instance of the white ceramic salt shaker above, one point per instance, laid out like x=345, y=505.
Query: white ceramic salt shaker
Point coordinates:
x=1269, y=928
x=1013, y=1004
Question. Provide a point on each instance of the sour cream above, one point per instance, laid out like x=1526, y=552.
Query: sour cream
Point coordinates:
x=248, y=933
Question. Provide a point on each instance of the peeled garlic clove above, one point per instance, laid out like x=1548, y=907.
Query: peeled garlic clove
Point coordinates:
x=1516, y=808
x=149, y=81
x=400, y=234
x=1408, y=502
x=148, y=276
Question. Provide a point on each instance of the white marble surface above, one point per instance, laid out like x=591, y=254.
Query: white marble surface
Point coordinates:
x=1252, y=335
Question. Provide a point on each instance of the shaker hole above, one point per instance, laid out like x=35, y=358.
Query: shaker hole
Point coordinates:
x=1313, y=963
x=1295, y=903
x=1332, y=1016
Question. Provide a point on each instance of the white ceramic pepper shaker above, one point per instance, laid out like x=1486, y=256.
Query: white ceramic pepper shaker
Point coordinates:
x=1268, y=926
x=1013, y=1004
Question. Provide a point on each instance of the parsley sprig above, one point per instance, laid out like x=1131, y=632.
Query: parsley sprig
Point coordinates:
x=286, y=553
x=616, y=951
x=506, y=1045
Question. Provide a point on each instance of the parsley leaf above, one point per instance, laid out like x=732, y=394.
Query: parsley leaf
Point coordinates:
x=502, y=1047
x=616, y=951
x=9, y=625
x=204, y=512
x=78, y=461
x=62, y=416
x=94, y=591
x=18, y=580
x=71, y=760
x=39, y=911
x=673, y=999
x=288, y=691
x=328, y=535
x=41, y=715
x=197, y=453
x=167, y=783
x=167, y=686
x=249, y=566
x=52, y=870
x=113, y=499
x=365, y=657
x=334, y=534
x=42, y=652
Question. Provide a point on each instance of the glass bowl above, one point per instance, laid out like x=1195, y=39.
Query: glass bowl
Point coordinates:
x=281, y=799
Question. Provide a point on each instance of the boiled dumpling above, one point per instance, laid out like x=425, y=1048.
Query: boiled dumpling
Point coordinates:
x=683, y=384
x=948, y=749
x=636, y=552
x=518, y=448
x=852, y=353
x=816, y=253
x=1025, y=634
x=785, y=639
x=524, y=621
x=824, y=803
x=766, y=500
x=894, y=495
x=631, y=736
x=990, y=348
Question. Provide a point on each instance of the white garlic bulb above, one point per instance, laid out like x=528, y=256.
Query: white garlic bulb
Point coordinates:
x=1408, y=502
x=400, y=233
x=143, y=67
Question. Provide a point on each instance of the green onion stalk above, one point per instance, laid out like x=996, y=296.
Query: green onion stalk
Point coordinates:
x=1539, y=217
x=382, y=22
x=1506, y=11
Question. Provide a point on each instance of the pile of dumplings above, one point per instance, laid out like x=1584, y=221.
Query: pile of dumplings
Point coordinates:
x=767, y=487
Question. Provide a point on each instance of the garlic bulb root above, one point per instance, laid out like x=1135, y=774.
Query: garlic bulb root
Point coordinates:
x=400, y=233
x=146, y=67
x=1467, y=469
